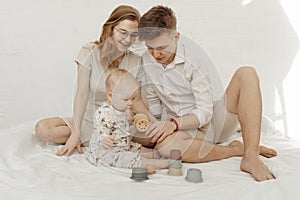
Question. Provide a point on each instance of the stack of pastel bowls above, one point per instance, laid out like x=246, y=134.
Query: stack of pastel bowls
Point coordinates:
x=175, y=163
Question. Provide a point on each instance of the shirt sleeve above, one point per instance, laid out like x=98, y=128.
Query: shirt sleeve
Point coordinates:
x=154, y=102
x=84, y=56
x=204, y=98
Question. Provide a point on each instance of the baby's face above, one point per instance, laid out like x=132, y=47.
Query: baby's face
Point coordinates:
x=124, y=94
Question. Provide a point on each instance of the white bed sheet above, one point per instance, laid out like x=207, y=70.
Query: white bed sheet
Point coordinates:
x=29, y=169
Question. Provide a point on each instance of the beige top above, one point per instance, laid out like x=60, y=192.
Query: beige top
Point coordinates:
x=187, y=85
x=89, y=58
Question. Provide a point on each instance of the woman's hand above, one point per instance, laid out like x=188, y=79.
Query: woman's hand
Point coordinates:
x=159, y=130
x=72, y=143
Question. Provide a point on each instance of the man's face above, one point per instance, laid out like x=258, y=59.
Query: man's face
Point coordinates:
x=163, y=47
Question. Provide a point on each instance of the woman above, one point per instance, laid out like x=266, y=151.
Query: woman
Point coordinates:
x=95, y=61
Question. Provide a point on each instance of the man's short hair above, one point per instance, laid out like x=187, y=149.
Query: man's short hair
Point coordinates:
x=157, y=20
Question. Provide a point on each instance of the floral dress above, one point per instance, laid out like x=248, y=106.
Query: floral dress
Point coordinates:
x=113, y=123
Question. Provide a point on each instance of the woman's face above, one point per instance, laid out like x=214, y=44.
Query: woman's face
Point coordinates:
x=125, y=34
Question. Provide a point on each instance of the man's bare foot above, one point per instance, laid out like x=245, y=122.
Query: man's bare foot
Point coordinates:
x=254, y=166
x=264, y=151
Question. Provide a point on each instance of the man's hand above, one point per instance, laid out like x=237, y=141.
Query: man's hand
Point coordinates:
x=159, y=130
x=72, y=143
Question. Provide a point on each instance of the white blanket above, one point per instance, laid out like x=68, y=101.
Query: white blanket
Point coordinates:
x=29, y=169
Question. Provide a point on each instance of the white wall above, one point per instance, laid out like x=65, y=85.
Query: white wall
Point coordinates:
x=40, y=38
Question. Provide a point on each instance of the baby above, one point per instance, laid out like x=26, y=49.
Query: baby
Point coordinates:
x=111, y=143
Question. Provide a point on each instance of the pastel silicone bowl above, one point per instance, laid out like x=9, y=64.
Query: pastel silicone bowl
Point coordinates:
x=139, y=174
x=194, y=175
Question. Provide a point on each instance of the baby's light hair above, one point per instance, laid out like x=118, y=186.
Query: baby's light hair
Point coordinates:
x=114, y=77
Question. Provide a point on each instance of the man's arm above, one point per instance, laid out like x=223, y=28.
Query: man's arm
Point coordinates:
x=202, y=91
x=200, y=115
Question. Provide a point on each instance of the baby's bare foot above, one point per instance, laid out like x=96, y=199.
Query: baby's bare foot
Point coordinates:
x=255, y=167
x=151, y=169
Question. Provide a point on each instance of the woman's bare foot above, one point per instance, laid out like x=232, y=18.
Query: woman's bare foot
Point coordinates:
x=254, y=166
x=264, y=151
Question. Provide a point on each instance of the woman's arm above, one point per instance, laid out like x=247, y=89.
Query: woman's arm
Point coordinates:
x=79, y=106
x=81, y=97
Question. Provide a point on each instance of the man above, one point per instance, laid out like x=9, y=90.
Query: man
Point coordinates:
x=182, y=91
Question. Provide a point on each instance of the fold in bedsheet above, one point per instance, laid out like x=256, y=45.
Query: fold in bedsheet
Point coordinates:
x=29, y=169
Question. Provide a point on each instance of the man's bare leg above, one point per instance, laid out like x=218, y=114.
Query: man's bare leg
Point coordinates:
x=149, y=153
x=53, y=130
x=243, y=97
x=197, y=150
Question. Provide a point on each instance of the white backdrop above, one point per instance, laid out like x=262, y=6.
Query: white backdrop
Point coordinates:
x=39, y=40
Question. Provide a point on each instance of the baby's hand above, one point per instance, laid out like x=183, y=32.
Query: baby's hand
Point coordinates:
x=107, y=143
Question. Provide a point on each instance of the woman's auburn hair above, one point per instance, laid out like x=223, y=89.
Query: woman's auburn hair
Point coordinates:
x=107, y=46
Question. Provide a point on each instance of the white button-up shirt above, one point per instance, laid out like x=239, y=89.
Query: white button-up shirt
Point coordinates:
x=184, y=86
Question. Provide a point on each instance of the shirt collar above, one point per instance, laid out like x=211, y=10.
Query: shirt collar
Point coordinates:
x=179, y=57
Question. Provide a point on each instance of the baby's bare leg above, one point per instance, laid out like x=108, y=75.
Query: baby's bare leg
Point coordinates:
x=153, y=164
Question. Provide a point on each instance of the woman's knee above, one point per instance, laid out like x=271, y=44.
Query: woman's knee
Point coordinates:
x=44, y=128
x=41, y=128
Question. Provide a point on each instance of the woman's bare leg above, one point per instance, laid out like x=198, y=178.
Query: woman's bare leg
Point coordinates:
x=53, y=130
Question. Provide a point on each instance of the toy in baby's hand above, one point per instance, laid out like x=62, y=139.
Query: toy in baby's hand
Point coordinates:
x=141, y=122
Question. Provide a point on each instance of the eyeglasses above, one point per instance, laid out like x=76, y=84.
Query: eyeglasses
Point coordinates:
x=124, y=34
